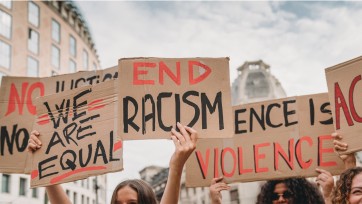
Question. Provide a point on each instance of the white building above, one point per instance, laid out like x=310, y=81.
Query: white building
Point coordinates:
x=255, y=83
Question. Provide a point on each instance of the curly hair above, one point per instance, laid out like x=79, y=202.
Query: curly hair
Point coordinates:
x=344, y=185
x=303, y=191
x=145, y=194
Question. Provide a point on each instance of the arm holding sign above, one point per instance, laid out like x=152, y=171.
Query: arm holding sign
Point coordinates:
x=326, y=182
x=217, y=185
x=55, y=193
x=185, y=144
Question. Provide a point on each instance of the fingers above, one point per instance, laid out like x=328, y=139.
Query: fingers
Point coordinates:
x=183, y=131
x=336, y=136
x=193, y=134
x=34, y=143
x=187, y=135
x=340, y=146
x=216, y=180
x=179, y=137
x=322, y=171
x=220, y=186
x=34, y=136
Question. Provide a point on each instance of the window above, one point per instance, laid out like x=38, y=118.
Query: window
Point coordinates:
x=72, y=20
x=85, y=59
x=55, y=57
x=7, y=4
x=67, y=192
x=46, y=200
x=33, y=41
x=5, y=55
x=234, y=196
x=33, y=14
x=5, y=24
x=88, y=181
x=56, y=5
x=33, y=67
x=64, y=13
x=5, y=184
x=88, y=200
x=72, y=46
x=22, y=187
x=74, y=198
x=82, y=199
x=55, y=31
x=34, y=193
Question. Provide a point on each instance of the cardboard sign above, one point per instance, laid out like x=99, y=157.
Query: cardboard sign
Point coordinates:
x=273, y=139
x=344, y=85
x=156, y=93
x=78, y=132
x=17, y=110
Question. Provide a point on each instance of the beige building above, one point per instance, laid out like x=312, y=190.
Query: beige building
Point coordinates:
x=39, y=39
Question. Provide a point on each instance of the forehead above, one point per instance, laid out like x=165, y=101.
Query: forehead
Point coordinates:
x=280, y=188
x=126, y=194
x=357, y=181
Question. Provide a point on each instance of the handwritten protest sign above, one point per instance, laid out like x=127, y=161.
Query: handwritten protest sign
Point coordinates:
x=156, y=93
x=17, y=110
x=344, y=85
x=78, y=133
x=273, y=139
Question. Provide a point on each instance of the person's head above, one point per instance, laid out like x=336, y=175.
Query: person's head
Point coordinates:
x=349, y=187
x=291, y=191
x=133, y=191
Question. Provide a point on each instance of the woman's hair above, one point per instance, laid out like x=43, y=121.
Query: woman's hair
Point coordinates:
x=302, y=191
x=344, y=184
x=145, y=194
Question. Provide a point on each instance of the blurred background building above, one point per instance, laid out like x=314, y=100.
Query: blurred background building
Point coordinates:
x=39, y=39
x=253, y=83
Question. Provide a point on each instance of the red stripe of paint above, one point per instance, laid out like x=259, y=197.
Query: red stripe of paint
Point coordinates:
x=34, y=174
x=65, y=175
x=43, y=116
x=43, y=122
x=95, y=107
x=43, y=119
x=117, y=146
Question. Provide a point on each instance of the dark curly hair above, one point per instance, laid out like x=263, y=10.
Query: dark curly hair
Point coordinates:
x=145, y=194
x=344, y=185
x=303, y=192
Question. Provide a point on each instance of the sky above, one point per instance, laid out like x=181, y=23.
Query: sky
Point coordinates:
x=297, y=39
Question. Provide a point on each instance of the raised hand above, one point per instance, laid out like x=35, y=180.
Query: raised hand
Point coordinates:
x=217, y=185
x=34, y=143
x=185, y=144
x=326, y=181
x=339, y=146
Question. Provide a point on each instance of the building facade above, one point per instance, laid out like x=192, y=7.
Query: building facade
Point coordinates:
x=254, y=83
x=40, y=39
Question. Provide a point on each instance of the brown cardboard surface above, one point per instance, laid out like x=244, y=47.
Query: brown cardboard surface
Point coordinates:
x=17, y=110
x=156, y=93
x=292, y=139
x=78, y=132
x=344, y=85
